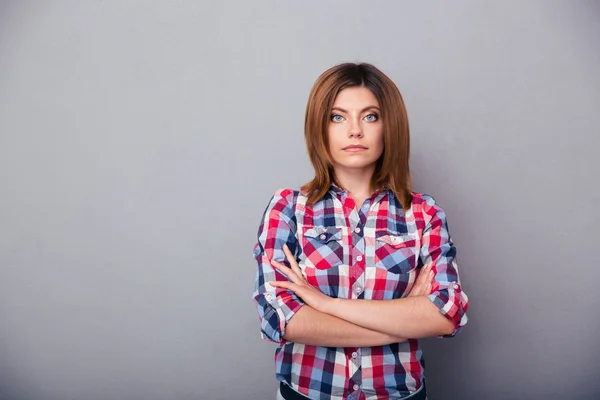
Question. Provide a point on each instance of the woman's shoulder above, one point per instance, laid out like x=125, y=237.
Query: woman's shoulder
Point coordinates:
x=290, y=194
x=286, y=193
x=283, y=200
x=422, y=198
x=424, y=203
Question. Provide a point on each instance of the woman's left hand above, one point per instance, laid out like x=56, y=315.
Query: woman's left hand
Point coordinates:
x=297, y=283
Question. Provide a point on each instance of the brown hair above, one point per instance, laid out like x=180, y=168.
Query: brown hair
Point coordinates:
x=392, y=170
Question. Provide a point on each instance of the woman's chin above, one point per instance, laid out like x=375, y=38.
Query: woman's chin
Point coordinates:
x=356, y=165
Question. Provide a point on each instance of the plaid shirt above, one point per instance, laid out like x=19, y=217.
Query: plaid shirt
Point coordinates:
x=374, y=253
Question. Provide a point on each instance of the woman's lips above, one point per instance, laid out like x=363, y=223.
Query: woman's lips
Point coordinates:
x=354, y=148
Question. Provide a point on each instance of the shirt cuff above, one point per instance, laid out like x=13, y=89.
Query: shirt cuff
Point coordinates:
x=278, y=310
x=452, y=303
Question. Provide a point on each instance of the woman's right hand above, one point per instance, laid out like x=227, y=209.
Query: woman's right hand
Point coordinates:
x=422, y=286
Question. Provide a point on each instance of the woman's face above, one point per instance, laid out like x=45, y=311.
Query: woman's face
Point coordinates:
x=355, y=130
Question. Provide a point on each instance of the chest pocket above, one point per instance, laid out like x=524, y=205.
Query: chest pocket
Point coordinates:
x=322, y=246
x=396, y=253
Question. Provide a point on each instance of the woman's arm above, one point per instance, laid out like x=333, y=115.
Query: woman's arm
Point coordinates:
x=438, y=312
x=412, y=317
x=313, y=327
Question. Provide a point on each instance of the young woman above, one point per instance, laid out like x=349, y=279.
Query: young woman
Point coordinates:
x=354, y=267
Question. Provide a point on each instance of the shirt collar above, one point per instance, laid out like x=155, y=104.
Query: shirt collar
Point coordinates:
x=336, y=190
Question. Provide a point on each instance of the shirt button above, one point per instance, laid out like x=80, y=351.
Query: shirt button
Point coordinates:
x=323, y=237
x=456, y=286
x=355, y=387
x=358, y=290
x=354, y=355
x=268, y=297
x=359, y=258
x=357, y=230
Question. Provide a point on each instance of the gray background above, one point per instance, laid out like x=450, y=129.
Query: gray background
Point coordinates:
x=141, y=140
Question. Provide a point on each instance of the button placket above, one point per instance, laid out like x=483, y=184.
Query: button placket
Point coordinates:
x=358, y=238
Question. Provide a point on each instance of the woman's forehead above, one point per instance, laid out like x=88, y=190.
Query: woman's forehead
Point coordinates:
x=355, y=97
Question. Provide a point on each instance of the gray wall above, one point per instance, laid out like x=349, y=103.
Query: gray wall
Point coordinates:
x=141, y=140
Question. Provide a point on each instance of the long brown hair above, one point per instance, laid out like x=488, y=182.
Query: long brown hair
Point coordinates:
x=392, y=170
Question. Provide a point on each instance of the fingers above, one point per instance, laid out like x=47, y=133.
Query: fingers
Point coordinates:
x=288, y=272
x=283, y=284
x=423, y=283
x=428, y=277
x=292, y=260
x=425, y=275
x=294, y=274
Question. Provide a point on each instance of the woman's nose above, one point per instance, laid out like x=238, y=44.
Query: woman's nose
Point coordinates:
x=355, y=130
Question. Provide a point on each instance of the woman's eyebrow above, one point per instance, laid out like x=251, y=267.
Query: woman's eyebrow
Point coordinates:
x=363, y=110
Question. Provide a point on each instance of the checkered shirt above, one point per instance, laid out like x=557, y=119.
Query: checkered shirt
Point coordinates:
x=371, y=253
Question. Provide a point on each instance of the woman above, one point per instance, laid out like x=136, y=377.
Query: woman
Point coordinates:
x=355, y=267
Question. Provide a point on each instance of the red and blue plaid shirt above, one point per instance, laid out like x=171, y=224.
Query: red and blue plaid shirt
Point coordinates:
x=373, y=253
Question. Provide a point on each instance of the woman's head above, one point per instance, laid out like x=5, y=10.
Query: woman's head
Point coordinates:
x=357, y=104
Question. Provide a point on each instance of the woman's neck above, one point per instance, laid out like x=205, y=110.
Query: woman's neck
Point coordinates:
x=356, y=182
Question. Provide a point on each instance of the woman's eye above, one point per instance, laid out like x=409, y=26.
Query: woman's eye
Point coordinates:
x=371, y=118
x=337, y=118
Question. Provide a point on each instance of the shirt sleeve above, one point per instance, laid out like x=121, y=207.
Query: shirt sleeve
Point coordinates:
x=437, y=247
x=276, y=306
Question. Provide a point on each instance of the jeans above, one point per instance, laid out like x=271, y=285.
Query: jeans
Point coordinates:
x=280, y=397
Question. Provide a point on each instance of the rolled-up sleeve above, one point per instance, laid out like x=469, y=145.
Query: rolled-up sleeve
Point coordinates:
x=276, y=306
x=437, y=247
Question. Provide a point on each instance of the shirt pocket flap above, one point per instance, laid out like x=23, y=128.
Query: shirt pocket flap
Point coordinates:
x=324, y=234
x=397, y=241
